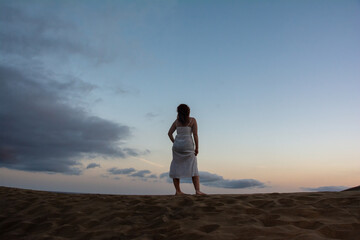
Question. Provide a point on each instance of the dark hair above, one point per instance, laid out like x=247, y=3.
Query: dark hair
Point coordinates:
x=183, y=114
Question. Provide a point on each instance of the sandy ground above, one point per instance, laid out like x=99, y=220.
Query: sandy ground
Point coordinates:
x=28, y=214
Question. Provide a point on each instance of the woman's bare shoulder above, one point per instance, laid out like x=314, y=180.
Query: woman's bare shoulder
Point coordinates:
x=176, y=122
x=192, y=121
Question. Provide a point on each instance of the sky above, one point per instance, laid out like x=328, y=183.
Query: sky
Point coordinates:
x=89, y=89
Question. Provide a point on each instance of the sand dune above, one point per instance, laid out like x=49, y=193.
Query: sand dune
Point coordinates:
x=28, y=214
x=353, y=189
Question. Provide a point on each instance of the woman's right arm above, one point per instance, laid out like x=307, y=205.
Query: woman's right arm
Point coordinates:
x=171, y=131
x=196, y=138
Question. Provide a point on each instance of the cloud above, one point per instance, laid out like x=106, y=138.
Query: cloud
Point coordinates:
x=124, y=171
x=28, y=34
x=151, y=115
x=119, y=90
x=135, y=152
x=241, y=183
x=214, y=180
x=325, y=189
x=131, y=172
x=206, y=178
x=141, y=173
x=92, y=165
x=43, y=126
x=41, y=131
x=164, y=175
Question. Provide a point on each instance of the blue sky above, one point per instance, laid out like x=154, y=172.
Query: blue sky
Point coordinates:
x=274, y=86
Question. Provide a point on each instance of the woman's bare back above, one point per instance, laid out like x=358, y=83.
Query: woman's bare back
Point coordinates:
x=190, y=124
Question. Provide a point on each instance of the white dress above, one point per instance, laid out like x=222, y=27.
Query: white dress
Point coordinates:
x=184, y=162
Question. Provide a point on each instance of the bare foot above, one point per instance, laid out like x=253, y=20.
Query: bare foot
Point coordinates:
x=200, y=193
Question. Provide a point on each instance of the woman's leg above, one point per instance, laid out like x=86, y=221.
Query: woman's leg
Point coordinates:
x=196, y=182
x=177, y=186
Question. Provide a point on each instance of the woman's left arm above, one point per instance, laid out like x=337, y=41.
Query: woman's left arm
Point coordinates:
x=171, y=131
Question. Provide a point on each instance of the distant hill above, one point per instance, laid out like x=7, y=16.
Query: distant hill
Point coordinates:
x=353, y=189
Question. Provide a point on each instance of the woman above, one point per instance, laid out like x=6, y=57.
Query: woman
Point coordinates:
x=184, y=163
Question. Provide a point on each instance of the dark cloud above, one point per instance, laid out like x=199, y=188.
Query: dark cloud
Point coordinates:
x=325, y=189
x=92, y=165
x=124, y=171
x=43, y=124
x=214, y=180
x=40, y=131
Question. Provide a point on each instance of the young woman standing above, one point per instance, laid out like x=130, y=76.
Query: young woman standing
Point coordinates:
x=184, y=162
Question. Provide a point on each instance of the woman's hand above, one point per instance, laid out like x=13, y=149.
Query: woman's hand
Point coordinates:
x=196, y=151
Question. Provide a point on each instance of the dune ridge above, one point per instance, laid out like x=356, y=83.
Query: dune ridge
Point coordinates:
x=30, y=214
x=357, y=188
